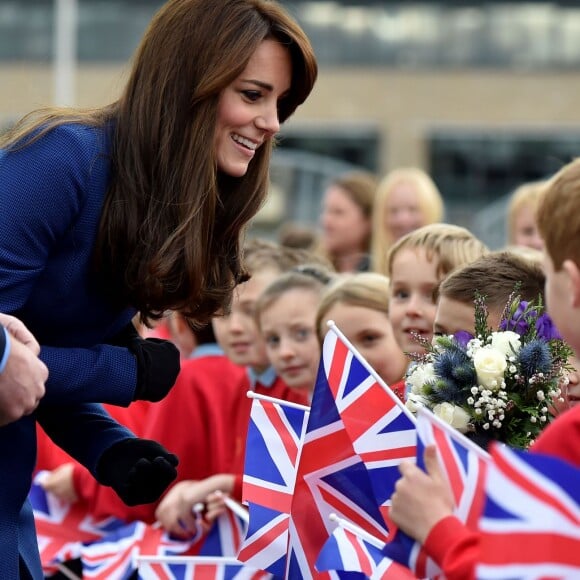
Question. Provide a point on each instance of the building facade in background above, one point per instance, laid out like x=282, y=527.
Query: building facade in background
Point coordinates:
x=482, y=95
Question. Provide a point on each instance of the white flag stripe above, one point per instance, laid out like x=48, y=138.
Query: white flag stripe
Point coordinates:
x=454, y=433
x=357, y=530
x=324, y=431
x=271, y=552
x=536, y=514
x=276, y=447
x=316, y=484
x=370, y=369
x=548, y=484
x=260, y=482
x=237, y=508
x=525, y=572
x=470, y=489
x=299, y=554
x=343, y=401
x=393, y=440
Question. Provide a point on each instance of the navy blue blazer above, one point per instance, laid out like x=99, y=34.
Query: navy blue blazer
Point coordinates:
x=52, y=194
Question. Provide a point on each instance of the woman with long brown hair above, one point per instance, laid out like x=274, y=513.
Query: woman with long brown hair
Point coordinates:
x=137, y=207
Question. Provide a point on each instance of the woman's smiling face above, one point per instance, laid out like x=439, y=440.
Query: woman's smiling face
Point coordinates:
x=247, y=113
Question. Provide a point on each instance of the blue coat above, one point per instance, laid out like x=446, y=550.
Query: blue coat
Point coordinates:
x=52, y=194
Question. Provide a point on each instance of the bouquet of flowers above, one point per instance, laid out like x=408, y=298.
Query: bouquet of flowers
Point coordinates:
x=499, y=384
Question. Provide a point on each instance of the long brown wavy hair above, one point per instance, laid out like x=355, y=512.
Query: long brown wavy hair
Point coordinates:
x=172, y=225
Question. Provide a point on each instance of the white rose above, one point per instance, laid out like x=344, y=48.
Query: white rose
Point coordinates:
x=422, y=374
x=454, y=416
x=490, y=365
x=507, y=342
x=413, y=402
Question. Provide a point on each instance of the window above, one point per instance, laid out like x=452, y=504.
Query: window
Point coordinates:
x=530, y=35
x=352, y=145
x=477, y=170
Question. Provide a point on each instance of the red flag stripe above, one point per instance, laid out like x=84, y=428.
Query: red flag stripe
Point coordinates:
x=478, y=501
x=337, y=366
x=445, y=448
x=352, y=514
x=367, y=410
x=530, y=548
x=265, y=539
x=361, y=555
x=336, y=445
x=270, y=498
x=282, y=429
x=540, y=493
x=389, y=454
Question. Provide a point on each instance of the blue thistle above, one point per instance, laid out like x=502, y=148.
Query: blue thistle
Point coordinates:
x=455, y=368
x=465, y=374
x=444, y=391
x=535, y=358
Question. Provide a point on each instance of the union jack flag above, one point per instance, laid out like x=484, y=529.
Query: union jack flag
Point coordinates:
x=224, y=537
x=331, y=478
x=381, y=429
x=530, y=527
x=154, y=541
x=195, y=568
x=273, y=445
x=111, y=557
x=464, y=465
x=61, y=527
x=347, y=551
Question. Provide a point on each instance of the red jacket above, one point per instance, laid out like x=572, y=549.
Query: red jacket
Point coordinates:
x=454, y=547
x=399, y=389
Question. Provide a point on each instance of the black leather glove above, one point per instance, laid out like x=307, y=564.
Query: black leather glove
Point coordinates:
x=158, y=363
x=139, y=470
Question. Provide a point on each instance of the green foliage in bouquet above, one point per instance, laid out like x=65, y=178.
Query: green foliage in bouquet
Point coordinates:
x=498, y=383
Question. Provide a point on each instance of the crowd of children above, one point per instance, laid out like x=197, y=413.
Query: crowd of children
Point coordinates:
x=270, y=343
x=422, y=505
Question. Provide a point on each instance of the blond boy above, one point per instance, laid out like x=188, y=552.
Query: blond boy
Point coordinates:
x=495, y=277
x=416, y=264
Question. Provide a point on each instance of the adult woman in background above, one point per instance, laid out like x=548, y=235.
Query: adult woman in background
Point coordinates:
x=522, y=230
x=407, y=199
x=138, y=206
x=347, y=209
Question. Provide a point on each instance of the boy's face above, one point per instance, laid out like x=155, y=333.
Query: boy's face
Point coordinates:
x=572, y=390
x=453, y=315
x=411, y=304
x=563, y=299
x=238, y=333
